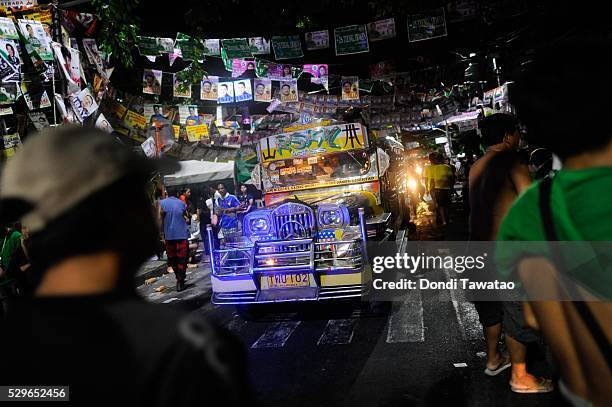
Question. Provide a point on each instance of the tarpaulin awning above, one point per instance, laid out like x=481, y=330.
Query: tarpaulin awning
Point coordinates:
x=193, y=172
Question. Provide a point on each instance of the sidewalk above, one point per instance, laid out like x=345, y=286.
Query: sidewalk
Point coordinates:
x=161, y=288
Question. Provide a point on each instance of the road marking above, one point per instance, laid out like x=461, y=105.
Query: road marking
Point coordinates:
x=169, y=300
x=276, y=335
x=406, y=320
x=338, y=332
x=466, y=313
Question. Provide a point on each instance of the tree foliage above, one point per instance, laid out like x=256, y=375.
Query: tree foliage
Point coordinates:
x=120, y=28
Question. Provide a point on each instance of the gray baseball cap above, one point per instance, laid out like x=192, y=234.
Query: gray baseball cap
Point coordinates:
x=57, y=169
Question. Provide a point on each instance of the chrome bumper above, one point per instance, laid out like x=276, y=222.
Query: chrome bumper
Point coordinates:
x=288, y=295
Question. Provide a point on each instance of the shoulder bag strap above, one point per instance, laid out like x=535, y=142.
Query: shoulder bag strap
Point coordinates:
x=585, y=312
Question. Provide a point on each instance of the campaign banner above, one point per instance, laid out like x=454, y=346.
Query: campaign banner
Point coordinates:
x=135, y=120
x=180, y=89
x=288, y=90
x=426, y=26
x=10, y=63
x=236, y=48
x=317, y=40
x=226, y=92
x=279, y=72
x=350, y=88
x=319, y=73
x=18, y=5
x=212, y=47
x=208, y=88
x=313, y=141
x=287, y=47
x=7, y=29
x=103, y=124
x=259, y=45
x=240, y=66
x=191, y=48
x=263, y=90
x=151, y=82
x=196, y=132
x=381, y=30
x=242, y=90
x=36, y=35
x=352, y=39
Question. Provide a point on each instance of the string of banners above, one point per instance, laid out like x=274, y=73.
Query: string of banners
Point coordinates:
x=352, y=39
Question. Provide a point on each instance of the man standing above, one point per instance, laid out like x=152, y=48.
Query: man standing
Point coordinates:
x=228, y=206
x=176, y=234
x=439, y=183
x=85, y=326
x=495, y=181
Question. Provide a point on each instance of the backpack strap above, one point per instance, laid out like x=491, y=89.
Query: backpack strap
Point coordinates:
x=545, y=189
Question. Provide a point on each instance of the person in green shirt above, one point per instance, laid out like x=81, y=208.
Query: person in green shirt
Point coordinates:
x=10, y=243
x=575, y=206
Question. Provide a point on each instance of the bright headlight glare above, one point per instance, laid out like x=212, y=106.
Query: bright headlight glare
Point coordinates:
x=333, y=217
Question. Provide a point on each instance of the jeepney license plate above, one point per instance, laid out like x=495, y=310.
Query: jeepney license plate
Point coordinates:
x=287, y=280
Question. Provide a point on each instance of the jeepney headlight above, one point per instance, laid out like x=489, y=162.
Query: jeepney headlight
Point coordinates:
x=332, y=216
x=258, y=223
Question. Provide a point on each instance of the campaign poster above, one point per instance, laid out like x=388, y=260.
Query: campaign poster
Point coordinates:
x=148, y=46
x=236, y=48
x=72, y=73
x=83, y=104
x=39, y=120
x=151, y=82
x=149, y=148
x=317, y=40
x=381, y=30
x=352, y=39
x=8, y=93
x=36, y=35
x=242, y=90
x=428, y=25
x=10, y=63
x=93, y=55
x=240, y=66
x=188, y=115
x=287, y=47
x=350, y=88
x=209, y=87
x=289, y=90
x=263, y=90
x=7, y=29
x=180, y=89
x=259, y=45
x=103, y=124
x=153, y=112
x=10, y=142
x=212, y=47
x=226, y=92
x=166, y=45
x=279, y=72
x=319, y=72
x=18, y=5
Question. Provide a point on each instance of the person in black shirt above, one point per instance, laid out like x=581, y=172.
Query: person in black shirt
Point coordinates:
x=85, y=326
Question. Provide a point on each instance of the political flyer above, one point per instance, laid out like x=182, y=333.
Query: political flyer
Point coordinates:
x=10, y=63
x=165, y=45
x=8, y=93
x=381, y=30
x=180, y=89
x=263, y=90
x=289, y=90
x=242, y=90
x=226, y=92
x=103, y=124
x=153, y=112
x=208, y=88
x=191, y=48
x=428, y=25
x=151, y=82
x=287, y=47
x=352, y=39
x=149, y=148
x=148, y=46
x=236, y=48
x=10, y=142
x=7, y=29
x=278, y=71
x=317, y=40
x=83, y=104
x=39, y=120
x=188, y=115
x=196, y=132
x=93, y=56
x=36, y=35
x=259, y=45
x=319, y=72
x=212, y=47
x=72, y=73
x=240, y=66
x=350, y=88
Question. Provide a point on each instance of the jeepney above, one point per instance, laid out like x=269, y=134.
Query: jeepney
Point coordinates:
x=322, y=195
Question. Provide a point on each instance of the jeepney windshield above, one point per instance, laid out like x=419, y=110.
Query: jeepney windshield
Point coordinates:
x=320, y=170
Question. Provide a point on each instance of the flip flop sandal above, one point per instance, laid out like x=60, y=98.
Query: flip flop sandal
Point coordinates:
x=543, y=386
x=503, y=365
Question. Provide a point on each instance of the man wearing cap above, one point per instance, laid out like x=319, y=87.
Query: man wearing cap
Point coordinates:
x=82, y=196
x=176, y=235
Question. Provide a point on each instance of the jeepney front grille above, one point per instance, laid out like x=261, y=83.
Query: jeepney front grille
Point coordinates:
x=294, y=222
